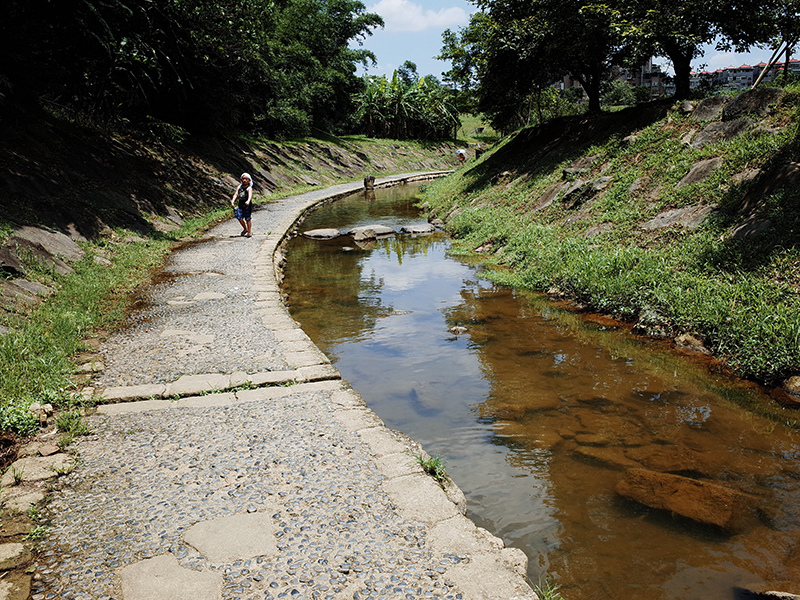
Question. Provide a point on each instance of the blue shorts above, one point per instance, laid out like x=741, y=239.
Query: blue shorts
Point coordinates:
x=244, y=212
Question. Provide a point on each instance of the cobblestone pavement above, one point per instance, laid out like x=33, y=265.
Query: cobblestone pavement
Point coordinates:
x=231, y=462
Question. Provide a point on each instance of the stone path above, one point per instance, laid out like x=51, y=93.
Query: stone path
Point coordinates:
x=230, y=461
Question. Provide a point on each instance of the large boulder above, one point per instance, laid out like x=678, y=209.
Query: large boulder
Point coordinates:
x=690, y=217
x=700, y=501
x=55, y=242
x=550, y=194
x=22, y=247
x=10, y=263
x=710, y=108
x=721, y=131
x=700, y=171
x=751, y=102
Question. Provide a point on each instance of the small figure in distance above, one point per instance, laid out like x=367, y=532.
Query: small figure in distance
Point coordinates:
x=461, y=155
x=244, y=197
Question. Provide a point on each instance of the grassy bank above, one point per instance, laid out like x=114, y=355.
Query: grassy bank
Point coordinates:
x=739, y=294
x=36, y=356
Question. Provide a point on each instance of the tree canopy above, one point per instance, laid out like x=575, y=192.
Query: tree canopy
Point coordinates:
x=512, y=50
x=406, y=106
x=280, y=67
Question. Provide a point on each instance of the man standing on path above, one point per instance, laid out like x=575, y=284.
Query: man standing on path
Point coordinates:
x=244, y=196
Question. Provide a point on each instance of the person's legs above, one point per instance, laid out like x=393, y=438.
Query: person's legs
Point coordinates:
x=238, y=214
x=248, y=229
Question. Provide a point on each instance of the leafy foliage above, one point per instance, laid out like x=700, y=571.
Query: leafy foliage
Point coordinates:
x=278, y=67
x=406, y=107
x=511, y=51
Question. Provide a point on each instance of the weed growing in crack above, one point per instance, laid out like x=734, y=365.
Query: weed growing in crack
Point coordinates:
x=433, y=466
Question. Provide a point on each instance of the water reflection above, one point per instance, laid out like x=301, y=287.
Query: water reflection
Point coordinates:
x=540, y=412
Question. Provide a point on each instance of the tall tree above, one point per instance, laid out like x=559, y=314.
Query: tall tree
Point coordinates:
x=277, y=66
x=466, y=51
x=676, y=29
x=535, y=42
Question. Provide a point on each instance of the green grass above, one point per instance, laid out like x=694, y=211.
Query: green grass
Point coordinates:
x=72, y=423
x=433, y=466
x=547, y=589
x=37, y=533
x=742, y=297
x=467, y=131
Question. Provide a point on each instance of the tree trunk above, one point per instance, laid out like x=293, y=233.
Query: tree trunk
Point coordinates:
x=591, y=85
x=681, y=58
x=786, y=64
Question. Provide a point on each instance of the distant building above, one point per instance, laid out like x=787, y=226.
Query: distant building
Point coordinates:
x=734, y=79
x=649, y=76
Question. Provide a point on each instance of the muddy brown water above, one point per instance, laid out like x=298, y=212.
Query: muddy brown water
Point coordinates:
x=538, y=411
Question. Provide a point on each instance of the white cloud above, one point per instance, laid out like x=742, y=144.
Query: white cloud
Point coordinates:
x=720, y=60
x=405, y=16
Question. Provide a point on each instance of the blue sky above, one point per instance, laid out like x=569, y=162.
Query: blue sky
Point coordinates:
x=414, y=32
x=414, y=29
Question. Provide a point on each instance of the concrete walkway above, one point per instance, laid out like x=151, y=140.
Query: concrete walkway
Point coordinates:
x=230, y=461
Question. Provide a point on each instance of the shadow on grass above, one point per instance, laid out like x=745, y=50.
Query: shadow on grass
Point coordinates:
x=535, y=151
x=767, y=210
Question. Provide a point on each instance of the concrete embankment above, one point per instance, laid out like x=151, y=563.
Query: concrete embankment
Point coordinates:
x=229, y=459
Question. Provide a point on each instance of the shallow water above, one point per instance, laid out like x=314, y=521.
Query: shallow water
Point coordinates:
x=538, y=411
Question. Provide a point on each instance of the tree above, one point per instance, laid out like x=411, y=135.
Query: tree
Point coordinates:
x=408, y=72
x=532, y=43
x=619, y=93
x=279, y=67
x=465, y=49
x=679, y=28
x=406, y=109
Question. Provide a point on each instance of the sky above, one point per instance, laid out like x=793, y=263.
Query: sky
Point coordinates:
x=414, y=29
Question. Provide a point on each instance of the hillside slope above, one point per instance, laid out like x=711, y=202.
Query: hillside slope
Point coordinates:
x=85, y=181
x=681, y=219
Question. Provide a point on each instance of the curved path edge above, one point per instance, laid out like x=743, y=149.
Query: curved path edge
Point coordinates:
x=493, y=572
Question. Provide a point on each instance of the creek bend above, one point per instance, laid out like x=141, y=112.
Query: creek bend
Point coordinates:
x=538, y=412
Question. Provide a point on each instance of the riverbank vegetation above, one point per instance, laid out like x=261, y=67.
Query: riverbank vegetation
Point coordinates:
x=406, y=106
x=653, y=215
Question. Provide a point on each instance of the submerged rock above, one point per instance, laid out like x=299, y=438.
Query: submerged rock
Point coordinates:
x=700, y=501
x=691, y=342
x=792, y=386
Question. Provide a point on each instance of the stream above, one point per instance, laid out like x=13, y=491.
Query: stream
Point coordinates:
x=539, y=410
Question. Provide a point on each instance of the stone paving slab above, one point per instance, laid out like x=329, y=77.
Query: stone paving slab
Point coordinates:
x=269, y=479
